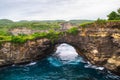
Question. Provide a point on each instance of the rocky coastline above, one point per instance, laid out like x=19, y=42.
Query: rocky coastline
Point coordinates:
x=99, y=45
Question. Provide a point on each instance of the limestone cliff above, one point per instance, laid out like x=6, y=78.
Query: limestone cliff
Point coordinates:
x=98, y=44
x=11, y=53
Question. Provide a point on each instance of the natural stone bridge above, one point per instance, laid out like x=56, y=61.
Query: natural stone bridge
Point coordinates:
x=100, y=46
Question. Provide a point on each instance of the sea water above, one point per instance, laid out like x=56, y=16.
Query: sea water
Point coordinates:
x=64, y=64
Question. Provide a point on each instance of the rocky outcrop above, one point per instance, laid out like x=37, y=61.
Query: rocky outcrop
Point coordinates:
x=11, y=53
x=24, y=31
x=98, y=45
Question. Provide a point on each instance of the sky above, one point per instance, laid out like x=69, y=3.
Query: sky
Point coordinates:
x=56, y=9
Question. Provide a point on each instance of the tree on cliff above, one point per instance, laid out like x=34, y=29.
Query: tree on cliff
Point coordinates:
x=114, y=15
x=118, y=11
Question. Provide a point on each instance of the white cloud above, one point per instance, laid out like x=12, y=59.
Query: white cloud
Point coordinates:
x=56, y=9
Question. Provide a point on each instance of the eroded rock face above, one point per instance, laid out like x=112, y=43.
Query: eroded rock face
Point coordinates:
x=100, y=46
x=24, y=31
x=22, y=53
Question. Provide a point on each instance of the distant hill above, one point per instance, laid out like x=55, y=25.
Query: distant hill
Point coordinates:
x=5, y=21
x=76, y=22
x=80, y=21
x=23, y=21
x=44, y=21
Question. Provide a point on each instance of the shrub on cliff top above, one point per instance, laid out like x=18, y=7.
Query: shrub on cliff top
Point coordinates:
x=52, y=35
x=73, y=31
x=85, y=25
x=100, y=21
x=18, y=39
x=39, y=35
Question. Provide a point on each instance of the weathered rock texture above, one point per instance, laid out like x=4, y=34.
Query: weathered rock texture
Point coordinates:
x=98, y=44
x=11, y=53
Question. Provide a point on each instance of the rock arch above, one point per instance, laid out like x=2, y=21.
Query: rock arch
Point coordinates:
x=96, y=45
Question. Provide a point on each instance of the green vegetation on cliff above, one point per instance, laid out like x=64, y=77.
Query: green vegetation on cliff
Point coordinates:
x=98, y=23
x=41, y=29
x=6, y=26
x=73, y=31
x=38, y=29
x=52, y=35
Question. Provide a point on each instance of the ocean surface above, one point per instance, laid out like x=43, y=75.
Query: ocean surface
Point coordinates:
x=64, y=64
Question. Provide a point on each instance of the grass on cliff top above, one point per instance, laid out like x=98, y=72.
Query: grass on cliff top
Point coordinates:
x=73, y=31
x=6, y=27
x=98, y=22
x=23, y=38
x=52, y=35
x=50, y=26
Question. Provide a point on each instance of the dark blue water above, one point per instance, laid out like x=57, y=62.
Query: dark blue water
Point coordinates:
x=62, y=65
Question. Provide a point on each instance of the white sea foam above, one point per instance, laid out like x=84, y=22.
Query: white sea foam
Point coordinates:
x=89, y=65
x=32, y=63
x=65, y=54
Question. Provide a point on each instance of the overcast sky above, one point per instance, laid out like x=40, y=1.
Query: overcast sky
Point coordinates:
x=56, y=9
